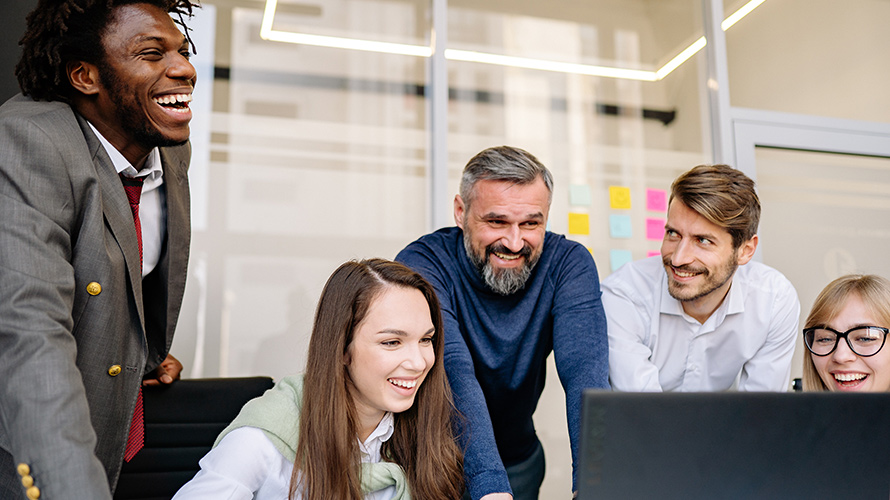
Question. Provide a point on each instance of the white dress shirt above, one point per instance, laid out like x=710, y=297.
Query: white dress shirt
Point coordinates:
x=247, y=466
x=152, y=208
x=747, y=343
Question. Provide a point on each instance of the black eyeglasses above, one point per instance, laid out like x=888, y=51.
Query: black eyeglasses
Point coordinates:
x=863, y=340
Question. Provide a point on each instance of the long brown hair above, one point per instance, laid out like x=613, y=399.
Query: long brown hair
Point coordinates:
x=872, y=290
x=328, y=461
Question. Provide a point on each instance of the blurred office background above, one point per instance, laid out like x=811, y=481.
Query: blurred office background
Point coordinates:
x=329, y=130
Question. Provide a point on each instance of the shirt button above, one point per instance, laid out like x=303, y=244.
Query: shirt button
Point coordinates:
x=33, y=493
x=94, y=288
x=23, y=469
x=114, y=370
x=27, y=481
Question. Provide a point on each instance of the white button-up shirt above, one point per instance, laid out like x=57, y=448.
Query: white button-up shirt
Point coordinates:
x=247, y=466
x=747, y=342
x=152, y=208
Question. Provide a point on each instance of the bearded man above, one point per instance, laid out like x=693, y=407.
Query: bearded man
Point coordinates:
x=703, y=316
x=511, y=293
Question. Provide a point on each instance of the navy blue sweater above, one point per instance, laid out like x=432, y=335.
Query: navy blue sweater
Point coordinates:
x=496, y=346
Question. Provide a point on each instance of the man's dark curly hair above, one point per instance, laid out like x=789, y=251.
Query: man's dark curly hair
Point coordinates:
x=60, y=31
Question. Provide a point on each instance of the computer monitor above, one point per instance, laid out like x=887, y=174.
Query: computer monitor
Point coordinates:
x=734, y=446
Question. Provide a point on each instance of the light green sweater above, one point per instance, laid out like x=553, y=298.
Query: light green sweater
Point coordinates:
x=277, y=414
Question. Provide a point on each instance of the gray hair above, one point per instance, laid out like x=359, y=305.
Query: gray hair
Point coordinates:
x=503, y=163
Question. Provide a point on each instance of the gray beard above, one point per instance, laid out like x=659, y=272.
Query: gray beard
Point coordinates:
x=503, y=281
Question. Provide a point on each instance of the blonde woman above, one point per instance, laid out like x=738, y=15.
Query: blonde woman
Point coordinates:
x=845, y=334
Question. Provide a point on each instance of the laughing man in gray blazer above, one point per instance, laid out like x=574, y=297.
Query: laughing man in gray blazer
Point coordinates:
x=87, y=312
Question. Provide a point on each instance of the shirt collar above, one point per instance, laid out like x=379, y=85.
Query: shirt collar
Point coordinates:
x=151, y=171
x=380, y=435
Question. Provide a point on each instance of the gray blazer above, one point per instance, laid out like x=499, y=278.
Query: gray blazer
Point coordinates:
x=73, y=305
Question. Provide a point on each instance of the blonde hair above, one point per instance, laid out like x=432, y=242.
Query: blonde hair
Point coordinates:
x=872, y=290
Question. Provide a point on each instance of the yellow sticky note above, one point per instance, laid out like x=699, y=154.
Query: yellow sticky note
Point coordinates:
x=590, y=250
x=619, y=197
x=579, y=223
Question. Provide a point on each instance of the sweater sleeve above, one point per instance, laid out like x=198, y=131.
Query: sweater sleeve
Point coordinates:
x=483, y=469
x=580, y=342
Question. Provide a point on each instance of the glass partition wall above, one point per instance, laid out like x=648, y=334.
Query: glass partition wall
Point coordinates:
x=322, y=121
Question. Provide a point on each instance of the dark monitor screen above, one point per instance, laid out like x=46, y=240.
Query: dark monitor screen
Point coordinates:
x=734, y=446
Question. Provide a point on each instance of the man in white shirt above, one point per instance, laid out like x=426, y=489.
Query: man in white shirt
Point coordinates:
x=703, y=316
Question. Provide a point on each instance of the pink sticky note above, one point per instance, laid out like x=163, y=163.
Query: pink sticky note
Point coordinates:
x=656, y=200
x=653, y=253
x=654, y=229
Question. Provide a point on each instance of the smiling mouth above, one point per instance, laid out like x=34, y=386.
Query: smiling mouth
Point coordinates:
x=685, y=273
x=849, y=378
x=405, y=384
x=174, y=102
x=507, y=256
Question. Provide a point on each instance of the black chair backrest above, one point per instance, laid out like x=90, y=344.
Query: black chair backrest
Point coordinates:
x=182, y=421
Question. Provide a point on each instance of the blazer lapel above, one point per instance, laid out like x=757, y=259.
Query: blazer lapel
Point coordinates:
x=175, y=162
x=118, y=214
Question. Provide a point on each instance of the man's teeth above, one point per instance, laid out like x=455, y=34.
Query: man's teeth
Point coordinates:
x=505, y=256
x=683, y=274
x=173, y=99
x=407, y=384
x=848, y=377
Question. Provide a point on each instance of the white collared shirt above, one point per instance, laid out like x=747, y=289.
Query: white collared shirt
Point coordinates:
x=247, y=466
x=747, y=343
x=152, y=209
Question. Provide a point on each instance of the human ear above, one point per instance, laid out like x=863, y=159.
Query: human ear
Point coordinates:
x=459, y=211
x=83, y=76
x=746, y=251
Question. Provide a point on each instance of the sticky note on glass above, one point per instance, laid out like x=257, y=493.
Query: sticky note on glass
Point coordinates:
x=653, y=253
x=579, y=223
x=654, y=229
x=579, y=194
x=656, y=200
x=618, y=258
x=619, y=197
x=620, y=226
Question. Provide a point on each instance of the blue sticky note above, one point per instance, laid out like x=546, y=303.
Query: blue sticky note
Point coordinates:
x=579, y=194
x=618, y=258
x=620, y=226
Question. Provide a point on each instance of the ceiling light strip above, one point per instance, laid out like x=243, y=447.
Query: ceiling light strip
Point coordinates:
x=546, y=65
x=739, y=14
x=267, y=33
x=680, y=58
x=347, y=43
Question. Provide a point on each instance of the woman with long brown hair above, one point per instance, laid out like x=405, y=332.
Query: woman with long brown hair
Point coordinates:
x=372, y=416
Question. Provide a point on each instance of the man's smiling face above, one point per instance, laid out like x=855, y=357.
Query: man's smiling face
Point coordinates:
x=698, y=255
x=145, y=81
x=504, y=227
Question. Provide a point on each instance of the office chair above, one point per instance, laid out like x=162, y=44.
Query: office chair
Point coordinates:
x=182, y=421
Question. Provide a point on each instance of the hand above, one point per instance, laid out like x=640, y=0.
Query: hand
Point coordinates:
x=497, y=496
x=165, y=373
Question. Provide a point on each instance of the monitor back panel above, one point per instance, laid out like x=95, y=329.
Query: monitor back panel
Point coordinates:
x=734, y=446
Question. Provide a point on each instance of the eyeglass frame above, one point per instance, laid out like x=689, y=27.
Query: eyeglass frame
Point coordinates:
x=844, y=336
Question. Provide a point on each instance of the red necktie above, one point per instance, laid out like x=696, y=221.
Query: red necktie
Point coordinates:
x=136, y=439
